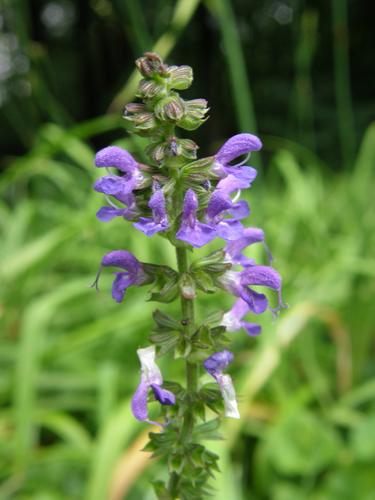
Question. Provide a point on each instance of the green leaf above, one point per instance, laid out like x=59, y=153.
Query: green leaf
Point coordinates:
x=164, y=321
x=208, y=430
x=161, y=491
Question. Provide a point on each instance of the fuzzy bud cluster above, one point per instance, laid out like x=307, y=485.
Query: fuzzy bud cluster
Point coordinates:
x=162, y=108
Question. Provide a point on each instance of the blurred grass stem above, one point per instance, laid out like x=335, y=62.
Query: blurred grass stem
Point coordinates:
x=345, y=116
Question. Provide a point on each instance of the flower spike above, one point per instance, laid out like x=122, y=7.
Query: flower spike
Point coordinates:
x=191, y=202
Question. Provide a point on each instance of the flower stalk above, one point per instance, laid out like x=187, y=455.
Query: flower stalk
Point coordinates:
x=190, y=202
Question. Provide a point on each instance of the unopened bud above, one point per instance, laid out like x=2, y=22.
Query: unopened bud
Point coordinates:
x=187, y=148
x=132, y=108
x=170, y=108
x=151, y=64
x=143, y=121
x=181, y=77
x=194, y=116
x=149, y=89
x=157, y=151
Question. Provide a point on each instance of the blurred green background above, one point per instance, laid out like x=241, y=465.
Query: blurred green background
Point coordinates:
x=300, y=74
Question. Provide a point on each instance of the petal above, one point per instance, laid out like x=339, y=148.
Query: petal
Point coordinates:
x=252, y=329
x=139, y=401
x=232, y=319
x=240, y=210
x=106, y=214
x=150, y=370
x=113, y=156
x=149, y=226
x=229, y=229
x=157, y=205
x=229, y=396
x=115, y=186
x=258, y=302
x=190, y=204
x=120, y=284
x=261, y=275
x=232, y=183
x=197, y=236
x=240, y=309
x=123, y=259
x=217, y=362
x=218, y=203
x=243, y=174
x=236, y=146
x=164, y=396
x=233, y=248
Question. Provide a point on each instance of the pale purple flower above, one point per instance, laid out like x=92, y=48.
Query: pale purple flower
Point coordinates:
x=114, y=185
x=151, y=378
x=215, y=365
x=159, y=220
x=132, y=274
x=232, y=320
x=234, y=147
x=219, y=207
x=191, y=230
x=239, y=284
x=233, y=249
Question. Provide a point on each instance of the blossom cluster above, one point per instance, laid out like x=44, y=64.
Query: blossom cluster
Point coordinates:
x=190, y=202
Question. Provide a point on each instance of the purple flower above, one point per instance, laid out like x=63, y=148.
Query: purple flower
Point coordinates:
x=232, y=320
x=239, y=284
x=151, y=378
x=220, y=205
x=159, y=220
x=215, y=365
x=233, y=249
x=233, y=148
x=191, y=229
x=133, y=273
x=114, y=185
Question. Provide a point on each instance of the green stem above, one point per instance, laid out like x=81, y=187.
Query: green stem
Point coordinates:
x=192, y=372
x=192, y=369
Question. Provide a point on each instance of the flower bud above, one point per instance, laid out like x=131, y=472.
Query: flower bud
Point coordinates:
x=181, y=77
x=187, y=148
x=149, y=89
x=172, y=148
x=196, y=107
x=170, y=108
x=133, y=107
x=157, y=151
x=194, y=114
x=143, y=121
x=151, y=64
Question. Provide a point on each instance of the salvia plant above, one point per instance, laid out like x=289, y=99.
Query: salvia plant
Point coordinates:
x=190, y=202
